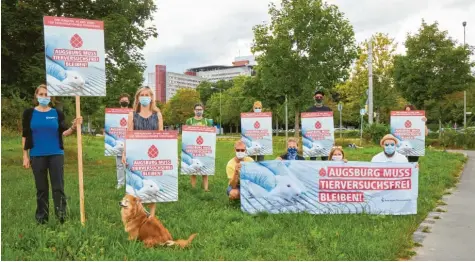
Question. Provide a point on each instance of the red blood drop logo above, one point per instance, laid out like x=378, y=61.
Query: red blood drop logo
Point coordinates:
x=323, y=172
x=153, y=152
x=408, y=124
x=257, y=125
x=76, y=41
x=123, y=122
x=199, y=140
x=318, y=125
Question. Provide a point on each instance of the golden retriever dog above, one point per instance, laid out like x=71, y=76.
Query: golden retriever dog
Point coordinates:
x=144, y=227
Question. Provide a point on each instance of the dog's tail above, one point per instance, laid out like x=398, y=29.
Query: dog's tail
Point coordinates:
x=181, y=242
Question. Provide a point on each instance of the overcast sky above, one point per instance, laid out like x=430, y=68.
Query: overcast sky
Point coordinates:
x=196, y=33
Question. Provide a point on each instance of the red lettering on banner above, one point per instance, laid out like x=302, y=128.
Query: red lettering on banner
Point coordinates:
x=340, y=197
x=327, y=184
x=368, y=172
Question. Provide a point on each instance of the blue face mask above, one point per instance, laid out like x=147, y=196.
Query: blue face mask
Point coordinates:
x=389, y=148
x=257, y=110
x=292, y=153
x=145, y=100
x=44, y=101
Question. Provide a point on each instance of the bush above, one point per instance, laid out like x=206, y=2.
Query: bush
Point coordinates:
x=375, y=132
x=465, y=139
x=12, y=112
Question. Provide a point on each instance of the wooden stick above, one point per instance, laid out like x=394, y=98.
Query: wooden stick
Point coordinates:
x=80, y=173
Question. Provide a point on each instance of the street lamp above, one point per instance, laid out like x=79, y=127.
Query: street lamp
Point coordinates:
x=220, y=124
x=464, y=92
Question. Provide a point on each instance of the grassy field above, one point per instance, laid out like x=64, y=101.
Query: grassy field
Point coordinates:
x=224, y=232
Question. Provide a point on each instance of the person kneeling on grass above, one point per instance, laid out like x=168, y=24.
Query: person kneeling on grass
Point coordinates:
x=233, y=169
x=337, y=154
x=292, y=147
x=389, y=143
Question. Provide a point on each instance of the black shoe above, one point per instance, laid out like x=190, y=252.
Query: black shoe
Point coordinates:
x=61, y=220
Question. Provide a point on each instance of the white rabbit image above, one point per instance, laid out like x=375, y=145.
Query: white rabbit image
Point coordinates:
x=149, y=192
x=405, y=146
x=254, y=149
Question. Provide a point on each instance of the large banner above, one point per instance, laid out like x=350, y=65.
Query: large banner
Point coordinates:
x=325, y=187
x=256, y=133
x=198, y=150
x=409, y=128
x=74, y=54
x=115, y=128
x=317, y=133
x=152, y=165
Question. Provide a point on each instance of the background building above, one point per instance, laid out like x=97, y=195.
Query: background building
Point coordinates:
x=242, y=66
x=166, y=84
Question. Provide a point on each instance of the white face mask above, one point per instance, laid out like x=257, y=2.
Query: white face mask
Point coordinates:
x=241, y=155
x=337, y=158
x=257, y=110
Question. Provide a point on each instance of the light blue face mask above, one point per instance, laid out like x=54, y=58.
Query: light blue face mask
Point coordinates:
x=44, y=101
x=389, y=148
x=257, y=110
x=145, y=100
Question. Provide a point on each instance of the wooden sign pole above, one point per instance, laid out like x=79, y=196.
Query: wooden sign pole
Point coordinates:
x=81, y=181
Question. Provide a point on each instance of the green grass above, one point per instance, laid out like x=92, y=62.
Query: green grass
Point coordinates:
x=224, y=232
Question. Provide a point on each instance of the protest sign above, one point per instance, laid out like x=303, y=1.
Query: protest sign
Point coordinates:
x=256, y=133
x=409, y=128
x=75, y=56
x=152, y=165
x=115, y=128
x=317, y=133
x=198, y=151
x=329, y=187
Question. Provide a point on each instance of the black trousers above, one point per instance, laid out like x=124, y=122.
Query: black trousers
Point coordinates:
x=413, y=159
x=54, y=165
x=258, y=158
x=324, y=158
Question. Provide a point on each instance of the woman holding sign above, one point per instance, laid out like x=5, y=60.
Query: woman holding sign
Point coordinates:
x=146, y=116
x=42, y=142
x=199, y=120
x=257, y=108
x=414, y=159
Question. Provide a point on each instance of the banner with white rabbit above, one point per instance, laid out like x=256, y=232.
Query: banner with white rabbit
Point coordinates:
x=198, y=150
x=324, y=187
x=256, y=133
x=115, y=128
x=75, y=56
x=152, y=165
x=409, y=128
x=317, y=133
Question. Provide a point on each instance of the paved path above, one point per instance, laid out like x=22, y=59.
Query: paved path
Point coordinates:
x=453, y=236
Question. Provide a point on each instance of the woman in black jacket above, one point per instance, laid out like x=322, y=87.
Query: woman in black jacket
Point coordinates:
x=42, y=142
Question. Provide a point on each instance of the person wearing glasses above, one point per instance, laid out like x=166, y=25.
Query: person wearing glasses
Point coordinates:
x=292, y=151
x=337, y=154
x=319, y=95
x=199, y=120
x=257, y=108
x=233, y=169
x=389, y=154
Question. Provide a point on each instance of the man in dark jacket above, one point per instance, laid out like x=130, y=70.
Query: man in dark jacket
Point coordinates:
x=319, y=107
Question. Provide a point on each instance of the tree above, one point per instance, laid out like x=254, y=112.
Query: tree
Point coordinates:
x=433, y=66
x=307, y=44
x=180, y=107
x=385, y=96
x=125, y=36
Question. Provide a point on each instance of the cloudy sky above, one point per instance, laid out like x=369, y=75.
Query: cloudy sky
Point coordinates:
x=196, y=33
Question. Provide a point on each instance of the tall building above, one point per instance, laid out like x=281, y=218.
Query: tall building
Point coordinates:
x=166, y=84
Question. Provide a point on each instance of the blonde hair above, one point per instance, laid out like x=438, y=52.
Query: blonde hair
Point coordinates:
x=293, y=139
x=256, y=104
x=334, y=149
x=152, y=106
x=35, y=99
